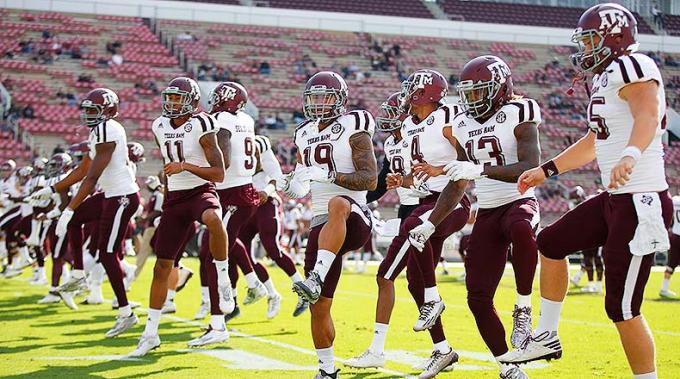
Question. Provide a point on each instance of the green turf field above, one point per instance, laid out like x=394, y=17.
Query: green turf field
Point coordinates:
x=51, y=341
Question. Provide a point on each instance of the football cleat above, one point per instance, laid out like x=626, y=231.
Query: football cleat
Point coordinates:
x=232, y=315
x=211, y=336
x=92, y=299
x=429, y=313
x=273, y=306
x=514, y=373
x=122, y=325
x=310, y=288
x=69, y=301
x=129, y=272
x=521, y=326
x=668, y=294
x=438, y=362
x=254, y=294
x=543, y=346
x=145, y=345
x=184, y=275
x=576, y=279
x=74, y=285
x=203, y=311
x=367, y=359
x=13, y=272
x=461, y=277
x=169, y=307
x=592, y=287
x=51, y=298
x=324, y=375
x=227, y=303
x=301, y=306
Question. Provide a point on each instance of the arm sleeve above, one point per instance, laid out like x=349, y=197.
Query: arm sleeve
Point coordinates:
x=381, y=189
x=271, y=165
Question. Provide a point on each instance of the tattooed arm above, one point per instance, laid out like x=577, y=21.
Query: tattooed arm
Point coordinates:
x=213, y=154
x=528, y=155
x=450, y=196
x=224, y=141
x=365, y=176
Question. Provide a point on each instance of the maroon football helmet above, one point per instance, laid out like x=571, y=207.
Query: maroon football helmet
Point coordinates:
x=325, y=96
x=78, y=150
x=58, y=164
x=423, y=87
x=391, y=115
x=97, y=106
x=485, y=85
x=135, y=152
x=8, y=168
x=228, y=97
x=180, y=98
x=39, y=164
x=604, y=32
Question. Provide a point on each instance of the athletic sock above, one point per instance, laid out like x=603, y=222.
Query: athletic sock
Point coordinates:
x=271, y=290
x=152, y=321
x=217, y=322
x=222, y=268
x=296, y=277
x=205, y=294
x=550, y=315
x=649, y=375
x=432, y=294
x=665, y=284
x=379, y=337
x=442, y=347
x=171, y=295
x=523, y=301
x=324, y=260
x=251, y=279
x=326, y=362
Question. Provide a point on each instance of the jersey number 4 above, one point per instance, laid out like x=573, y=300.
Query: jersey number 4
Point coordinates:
x=323, y=155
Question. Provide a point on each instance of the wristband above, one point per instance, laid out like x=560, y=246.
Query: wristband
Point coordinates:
x=53, y=189
x=549, y=169
x=632, y=151
x=269, y=189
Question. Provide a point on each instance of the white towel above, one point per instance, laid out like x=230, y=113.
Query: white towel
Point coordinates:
x=650, y=235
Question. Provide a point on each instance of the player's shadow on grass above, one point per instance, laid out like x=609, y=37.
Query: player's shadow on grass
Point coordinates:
x=664, y=300
x=280, y=333
x=19, y=349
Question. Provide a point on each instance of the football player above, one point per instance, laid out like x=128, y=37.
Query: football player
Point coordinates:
x=496, y=137
x=336, y=161
x=238, y=198
x=398, y=161
x=267, y=223
x=152, y=210
x=193, y=163
x=106, y=165
x=673, y=252
x=428, y=131
x=626, y=116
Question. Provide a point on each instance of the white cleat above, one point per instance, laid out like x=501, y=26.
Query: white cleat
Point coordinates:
x=50, y=298
x=515, y=373
x=310, y=288
x=211, y=336
x=595, y=287
x=576, y=279
x=438, y=362
x=69, y=301
x=668, y=294
x=543, y=346
x=145, y=345
x=41, y=281
x=122, y=325
x=73, y=285
x=227, y=303
x=184, y=275
x=273, y=306
x=255, y=294
x=461, y=277
x=203, y=311
x=429, y=313
x=13, y=272
x=169, y=307
x=367, y=359
x=521, y=325
x=93, y=299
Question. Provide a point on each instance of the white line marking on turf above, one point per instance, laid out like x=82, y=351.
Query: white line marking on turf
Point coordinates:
x=243, y=360
x=93, y=358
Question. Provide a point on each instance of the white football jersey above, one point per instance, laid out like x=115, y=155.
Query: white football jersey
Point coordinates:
x=330, y=150
x=493, y=143
x=610, y=118
x=398, y=155
x=242, y=159
x=428, y=144
x=182, y=144
x=676, y=215
x=117, y=179
x=10, y=186
x=291, y=218
x=270, y=168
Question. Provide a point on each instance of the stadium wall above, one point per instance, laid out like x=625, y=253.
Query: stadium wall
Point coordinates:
x=176, y=10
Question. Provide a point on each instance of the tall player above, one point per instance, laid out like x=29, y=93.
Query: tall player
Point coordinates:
x=335, y=154
x=193, y=162
x=108, y=166
x=673, y=252
x=397, y=161
x=497, y=139
x=626, y=119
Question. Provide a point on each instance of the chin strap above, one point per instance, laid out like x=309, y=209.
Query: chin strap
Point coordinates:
x=579, y=77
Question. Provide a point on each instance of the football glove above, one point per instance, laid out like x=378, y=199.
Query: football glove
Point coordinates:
x=458, y=170
x=62, y=224
x=420, y=234
x=316, y=174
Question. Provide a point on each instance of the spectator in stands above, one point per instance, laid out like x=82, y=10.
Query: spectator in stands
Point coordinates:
x=270, y=121
x=58, y=149
x=396, y=50
x=298, y=117
x=46, y=34
x=670, y=61
x=453, y=80
x=658, y=16
x=85, y=78
x=28, y=112
x=27, y=47
x=76, y=52
x=265, y=69
x=279, y=124
x=116, y=59
x=201, y=74
x=655, y=58
x=186, y=36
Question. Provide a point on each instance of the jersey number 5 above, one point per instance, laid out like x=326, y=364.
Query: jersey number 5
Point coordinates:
x=597, y=123
x=180, y=151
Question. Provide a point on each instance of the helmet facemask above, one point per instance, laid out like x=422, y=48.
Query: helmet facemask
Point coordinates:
x=389, y=119
x=323, y=104
x=91, y=114
x=591, y=50
x=477, y=99
x=176, y=103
